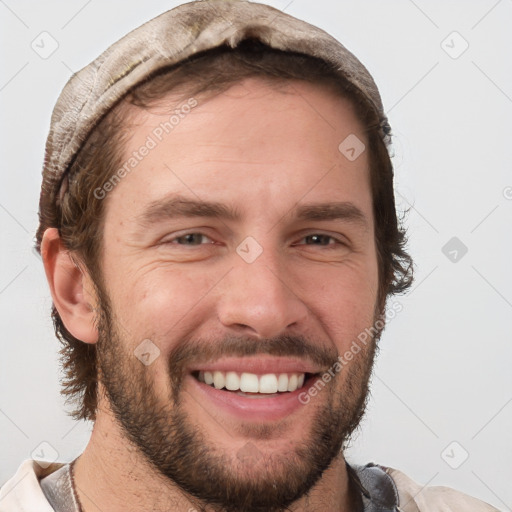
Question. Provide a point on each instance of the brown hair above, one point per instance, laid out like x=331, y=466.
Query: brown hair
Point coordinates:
x=79, y=214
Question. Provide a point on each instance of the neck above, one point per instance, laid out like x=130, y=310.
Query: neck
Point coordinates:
x=112, y=474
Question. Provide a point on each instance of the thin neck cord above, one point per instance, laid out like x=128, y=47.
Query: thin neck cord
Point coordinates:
x=73, y=486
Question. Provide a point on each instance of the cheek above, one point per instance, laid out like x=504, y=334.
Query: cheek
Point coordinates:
x=157, y=302
x=343, y=299
x=154, y=310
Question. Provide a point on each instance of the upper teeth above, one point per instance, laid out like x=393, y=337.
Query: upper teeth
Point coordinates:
x=252, y=383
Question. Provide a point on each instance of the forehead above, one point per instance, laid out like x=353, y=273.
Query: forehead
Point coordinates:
x=270, y=143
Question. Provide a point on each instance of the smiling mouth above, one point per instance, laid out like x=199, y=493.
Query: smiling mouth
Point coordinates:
x=253, y=385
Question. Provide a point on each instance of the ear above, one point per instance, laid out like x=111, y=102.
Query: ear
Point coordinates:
x=71, y=288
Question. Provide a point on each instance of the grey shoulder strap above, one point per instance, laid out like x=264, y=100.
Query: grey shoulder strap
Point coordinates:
x=378, y=490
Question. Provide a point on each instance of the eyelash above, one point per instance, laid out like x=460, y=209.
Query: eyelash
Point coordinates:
x=338, y=242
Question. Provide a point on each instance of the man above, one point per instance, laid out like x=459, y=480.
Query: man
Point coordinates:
x=219, y=234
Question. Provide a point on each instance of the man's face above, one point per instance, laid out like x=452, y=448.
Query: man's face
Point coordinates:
x=261, y=293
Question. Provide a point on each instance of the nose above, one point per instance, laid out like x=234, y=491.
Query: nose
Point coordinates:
x=259, y=298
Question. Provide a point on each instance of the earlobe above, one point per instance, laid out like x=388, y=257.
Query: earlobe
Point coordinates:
x=71, y=288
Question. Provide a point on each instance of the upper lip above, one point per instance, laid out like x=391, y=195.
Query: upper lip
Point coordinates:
x=259, y=365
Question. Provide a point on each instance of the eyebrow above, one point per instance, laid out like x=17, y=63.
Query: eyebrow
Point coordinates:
x=176, y=206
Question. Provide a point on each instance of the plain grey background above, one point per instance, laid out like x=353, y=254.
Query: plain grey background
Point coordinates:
x=441, y=405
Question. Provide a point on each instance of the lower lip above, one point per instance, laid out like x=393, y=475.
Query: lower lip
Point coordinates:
x=251, y=409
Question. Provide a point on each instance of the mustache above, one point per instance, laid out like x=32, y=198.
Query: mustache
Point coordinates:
x=200, y=351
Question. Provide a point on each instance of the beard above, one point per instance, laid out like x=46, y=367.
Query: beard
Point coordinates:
x=171, y=443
